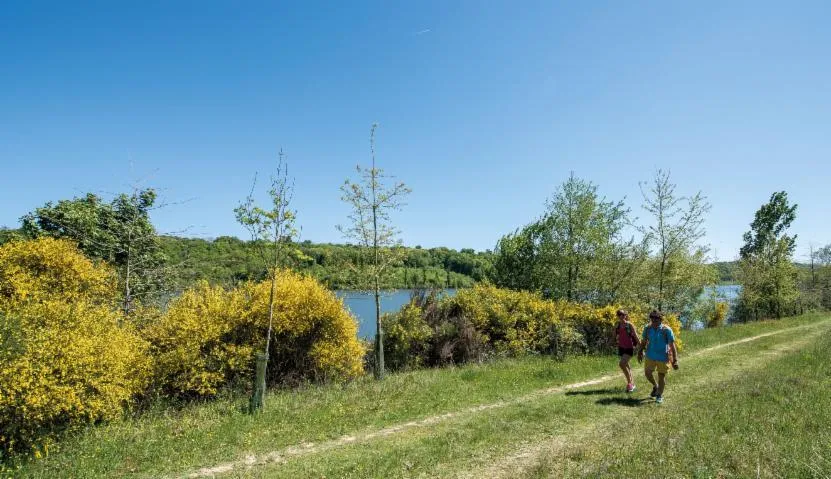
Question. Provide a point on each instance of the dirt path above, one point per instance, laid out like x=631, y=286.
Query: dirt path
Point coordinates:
x=302, y=449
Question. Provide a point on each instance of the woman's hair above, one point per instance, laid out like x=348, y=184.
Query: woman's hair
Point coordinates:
x=622, y=312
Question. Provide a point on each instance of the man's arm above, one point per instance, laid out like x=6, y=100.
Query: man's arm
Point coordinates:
x=643, y=344
x=674, y=352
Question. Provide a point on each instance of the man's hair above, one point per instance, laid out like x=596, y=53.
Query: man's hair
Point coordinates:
x=655, y=314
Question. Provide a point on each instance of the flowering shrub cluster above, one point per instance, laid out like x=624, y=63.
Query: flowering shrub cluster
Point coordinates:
x=206, y=339
x=70, y=358
x=476, y=323
x=67, y=358
x=51, y=268
x=486, y=321
x=718, y=316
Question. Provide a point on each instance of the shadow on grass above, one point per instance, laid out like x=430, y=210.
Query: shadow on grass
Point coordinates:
x=623, y=401
x=593, y=392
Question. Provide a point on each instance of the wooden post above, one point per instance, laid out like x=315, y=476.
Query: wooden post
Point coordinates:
x=258, y=395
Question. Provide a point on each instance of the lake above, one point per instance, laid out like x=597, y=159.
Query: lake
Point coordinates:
x=362, y=305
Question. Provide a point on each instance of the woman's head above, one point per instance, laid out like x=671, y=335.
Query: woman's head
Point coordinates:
x=622, y=315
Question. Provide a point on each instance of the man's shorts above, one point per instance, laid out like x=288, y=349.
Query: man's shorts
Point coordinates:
x=662, y=367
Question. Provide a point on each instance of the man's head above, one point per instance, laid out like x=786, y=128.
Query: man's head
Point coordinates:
x=622, y=314
x=656, y=317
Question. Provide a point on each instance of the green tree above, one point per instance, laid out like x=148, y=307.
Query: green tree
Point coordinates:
x=119, y=232
x=8, y=234
x=821, y=280
x=576, y=251
x=678, y=270
x=766, y=270
x=372, y=229
x=272, y=231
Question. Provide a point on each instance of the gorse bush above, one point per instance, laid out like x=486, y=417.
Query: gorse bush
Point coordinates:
x=206, y=340
x=67, y=359
x=473, y=325
x=51, y=268
x=718, y=316
x=486, y=321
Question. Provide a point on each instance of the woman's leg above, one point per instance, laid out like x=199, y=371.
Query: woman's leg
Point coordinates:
x=626, y=368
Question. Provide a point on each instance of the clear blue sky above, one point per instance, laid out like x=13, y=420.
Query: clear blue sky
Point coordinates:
x=484, y=107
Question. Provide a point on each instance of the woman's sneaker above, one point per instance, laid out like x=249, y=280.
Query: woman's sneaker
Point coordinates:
x=630, y=388
x=654, y=392
x=659, y=399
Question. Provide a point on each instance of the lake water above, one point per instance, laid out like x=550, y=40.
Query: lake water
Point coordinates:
x=362, y=305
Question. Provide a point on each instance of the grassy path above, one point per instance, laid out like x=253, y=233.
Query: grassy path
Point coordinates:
x=420, y=424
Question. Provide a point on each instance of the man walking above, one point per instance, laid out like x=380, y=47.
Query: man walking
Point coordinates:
x=659, y=343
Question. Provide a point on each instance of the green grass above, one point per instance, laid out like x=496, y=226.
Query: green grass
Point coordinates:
x=772, y=422
x=168, y=442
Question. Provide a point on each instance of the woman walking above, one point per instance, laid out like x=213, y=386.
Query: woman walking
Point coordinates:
x=627, y=341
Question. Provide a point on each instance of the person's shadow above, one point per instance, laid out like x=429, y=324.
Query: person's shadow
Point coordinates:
x=592, y=392
x=610, y=401
x=619, y=401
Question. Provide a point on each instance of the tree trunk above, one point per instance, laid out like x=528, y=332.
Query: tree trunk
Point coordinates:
x=379, y=335
x=258, y=395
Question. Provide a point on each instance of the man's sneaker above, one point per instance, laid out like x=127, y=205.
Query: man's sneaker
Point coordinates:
x=630, y=388
x=654, y=392
x=659, y=399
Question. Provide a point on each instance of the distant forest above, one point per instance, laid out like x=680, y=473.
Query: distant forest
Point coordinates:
x=229, y=260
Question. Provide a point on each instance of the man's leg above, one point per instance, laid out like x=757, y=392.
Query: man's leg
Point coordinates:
x=661, y=383
x=648, y=370
x=627, y=370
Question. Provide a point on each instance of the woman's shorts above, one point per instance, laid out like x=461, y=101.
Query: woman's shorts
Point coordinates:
x=625, y=351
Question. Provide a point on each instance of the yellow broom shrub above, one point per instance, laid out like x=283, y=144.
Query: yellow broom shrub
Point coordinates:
x=66, y=358
x=64, y=365
x=206, y=339
x=51, y=268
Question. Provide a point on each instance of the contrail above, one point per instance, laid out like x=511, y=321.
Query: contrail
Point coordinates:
x=422, y=32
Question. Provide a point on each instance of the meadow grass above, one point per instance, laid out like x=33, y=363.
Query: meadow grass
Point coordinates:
x=476, y=445
x=771, y=422
x=174, y=441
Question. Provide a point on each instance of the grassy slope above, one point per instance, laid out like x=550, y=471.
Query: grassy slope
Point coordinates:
x=167, y=442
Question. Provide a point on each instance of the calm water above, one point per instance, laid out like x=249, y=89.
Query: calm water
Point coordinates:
x=362, y=306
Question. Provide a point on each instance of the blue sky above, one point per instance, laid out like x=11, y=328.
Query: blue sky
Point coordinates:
x=484, y=107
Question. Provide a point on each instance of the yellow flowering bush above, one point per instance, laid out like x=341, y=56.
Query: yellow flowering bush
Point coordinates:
x=475, y=323
x=67, y=359
x=406, y=338
x=206, y=339
x=64, y=365
x=718, y=316
x=51, y=268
